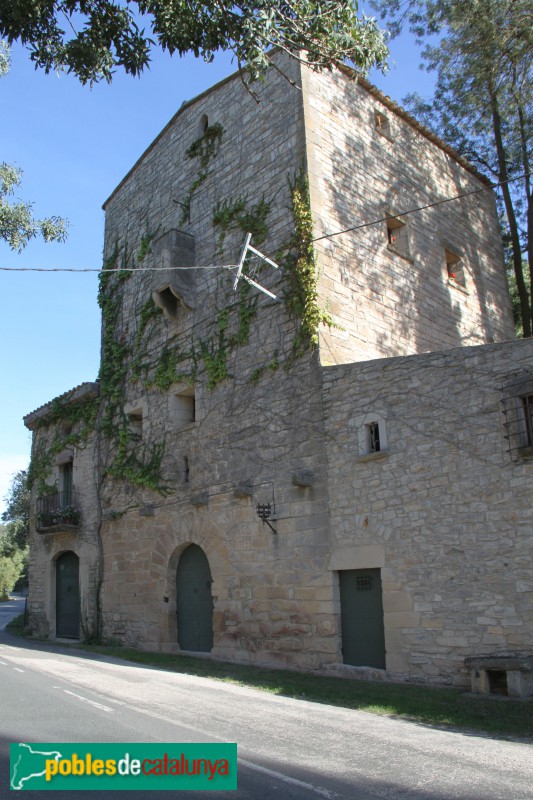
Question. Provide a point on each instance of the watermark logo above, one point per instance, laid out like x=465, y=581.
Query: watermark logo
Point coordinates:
x=123, y=766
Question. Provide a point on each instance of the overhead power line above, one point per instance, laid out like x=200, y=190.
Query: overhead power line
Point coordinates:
x=419, y=208
x=125, y=269
x=357, y=227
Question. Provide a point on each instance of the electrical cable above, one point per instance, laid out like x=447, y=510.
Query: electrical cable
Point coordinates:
x=100, y=270
x=360, y=226
x=419, y=208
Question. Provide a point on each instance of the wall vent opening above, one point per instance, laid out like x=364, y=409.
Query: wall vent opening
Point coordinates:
x=497, y=681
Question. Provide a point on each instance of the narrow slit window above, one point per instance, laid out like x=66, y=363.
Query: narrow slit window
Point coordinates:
x=373, y=437
x=204, y=124
x=67, y=473
x=527, y=409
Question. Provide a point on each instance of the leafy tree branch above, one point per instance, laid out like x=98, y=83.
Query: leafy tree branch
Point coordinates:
x=17, y=223
x=483, y=105
x=91, y=38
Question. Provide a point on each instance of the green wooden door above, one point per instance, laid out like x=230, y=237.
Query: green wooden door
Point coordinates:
x=363, y=634
x=194, y=601
x=68, y=596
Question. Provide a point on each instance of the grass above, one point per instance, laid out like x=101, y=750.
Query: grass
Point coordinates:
x=16, y=626
x=437, y=707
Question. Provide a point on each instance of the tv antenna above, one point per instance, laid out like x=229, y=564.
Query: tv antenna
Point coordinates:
x=247, y=248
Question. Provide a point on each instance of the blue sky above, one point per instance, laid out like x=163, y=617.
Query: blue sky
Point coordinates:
x=74, y=145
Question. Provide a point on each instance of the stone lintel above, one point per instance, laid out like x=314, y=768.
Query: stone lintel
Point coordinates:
x=521, y=662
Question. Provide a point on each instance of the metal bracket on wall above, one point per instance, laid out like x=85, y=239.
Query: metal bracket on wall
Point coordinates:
x=264, y=511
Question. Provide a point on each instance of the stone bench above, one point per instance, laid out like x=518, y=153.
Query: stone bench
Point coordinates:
x=506, y=674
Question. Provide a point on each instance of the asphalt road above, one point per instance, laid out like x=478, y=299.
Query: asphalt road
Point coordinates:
x=11, y=609
x=288, y=749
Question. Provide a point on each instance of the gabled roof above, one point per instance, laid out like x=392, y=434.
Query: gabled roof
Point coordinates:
x=351, y=75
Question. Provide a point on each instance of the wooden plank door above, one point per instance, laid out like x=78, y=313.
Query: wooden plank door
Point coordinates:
x=194, y=601
x=363, y=633
x=68, y=596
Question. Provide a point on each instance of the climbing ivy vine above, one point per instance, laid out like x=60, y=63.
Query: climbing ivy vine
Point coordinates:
x=78, y=421
x=301, y=294
x=135, y=358
x=145, y=247
x=204, y=149
x=138, y=465
x=235, y=214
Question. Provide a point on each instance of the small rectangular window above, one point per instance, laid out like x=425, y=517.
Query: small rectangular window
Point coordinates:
x=397, y=236
x=363, y=583
x=517, y=408
x=455, y=268
x=135, y=420
x=372, y=437
x=184, y=408
x=382, y=124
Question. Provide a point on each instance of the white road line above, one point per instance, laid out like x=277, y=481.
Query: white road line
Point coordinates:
x=328, y=795
x=17, y=669
x=281, y=777
x=4, y=663
x=86, y=700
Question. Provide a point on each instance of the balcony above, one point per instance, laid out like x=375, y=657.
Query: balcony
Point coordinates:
x=58, y=512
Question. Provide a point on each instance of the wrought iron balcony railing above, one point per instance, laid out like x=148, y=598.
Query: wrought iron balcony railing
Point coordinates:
x=58, y=510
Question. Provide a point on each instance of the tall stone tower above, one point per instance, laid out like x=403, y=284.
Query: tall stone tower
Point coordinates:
x=222, y=449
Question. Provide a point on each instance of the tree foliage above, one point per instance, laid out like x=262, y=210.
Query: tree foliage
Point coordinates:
x=4, y=58
x=14, y=536
x=90, y=38
x=11, y=569
x=17, y=514
x=483, y=105
x=17, y=223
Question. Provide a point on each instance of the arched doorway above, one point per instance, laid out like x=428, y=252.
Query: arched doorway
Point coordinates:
x=68, y=595
x=194, y=601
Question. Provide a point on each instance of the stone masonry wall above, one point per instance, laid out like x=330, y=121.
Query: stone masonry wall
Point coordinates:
x=384, y=303
x=444, y=514
x=256, y=429
x=444, y=511
x=46, y=547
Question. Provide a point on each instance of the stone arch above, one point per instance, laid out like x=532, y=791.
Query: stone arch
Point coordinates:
x=190, y=528
x=203, y=124
x=169, y=621
x=194, y=601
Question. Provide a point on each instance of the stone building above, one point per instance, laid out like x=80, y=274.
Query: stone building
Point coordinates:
x=333, y=476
